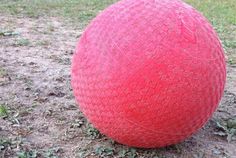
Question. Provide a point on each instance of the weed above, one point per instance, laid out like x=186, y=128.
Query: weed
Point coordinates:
x=130, y=153
x=8, y=33
x=9, y=114
x=231, y=123
x=43, y=43
x=51, y=153
x=104, y=151
x=27, y=154
x=82, y=153
x=226, y=129
x=4, y=143
x=231, y=61
x=3, y=111
x=176, y=148
x=22, y=42
x=92, y=132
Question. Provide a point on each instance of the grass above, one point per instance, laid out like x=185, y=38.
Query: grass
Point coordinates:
x=8, y=33
x=24, y=154
x=4, y=143
x=217, y=11
x=43, y=43
x=76, y=10
x=3, y=111
x=22, y=42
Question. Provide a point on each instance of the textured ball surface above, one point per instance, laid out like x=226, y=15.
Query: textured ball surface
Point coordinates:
x=148, y=73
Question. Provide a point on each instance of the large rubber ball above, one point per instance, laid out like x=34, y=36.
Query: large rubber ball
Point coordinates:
x=148, y=73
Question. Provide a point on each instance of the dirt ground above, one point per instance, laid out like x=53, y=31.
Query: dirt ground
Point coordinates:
x=42, y=118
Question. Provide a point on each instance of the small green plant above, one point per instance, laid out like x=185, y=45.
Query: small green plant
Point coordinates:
x=93, y=132
x=130, y=153
x=231, y=123
x=104, y=151
x=4, y=143
x=22, y=42
x=43, y=43
x=8, y=33
x=3, y=111
x=51, y=153
x=2, y=72
x=226, y=129
x=82, y=153
x=231, y=61
x=229, y=44
x=176, y=148
x=27, y=154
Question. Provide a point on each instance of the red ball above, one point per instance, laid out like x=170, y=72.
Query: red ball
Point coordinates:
x=149, y=73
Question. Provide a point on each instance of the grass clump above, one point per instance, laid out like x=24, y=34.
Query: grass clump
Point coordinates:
x=3, y=111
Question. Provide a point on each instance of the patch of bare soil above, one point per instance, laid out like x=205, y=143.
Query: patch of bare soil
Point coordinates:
x=42, y=117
